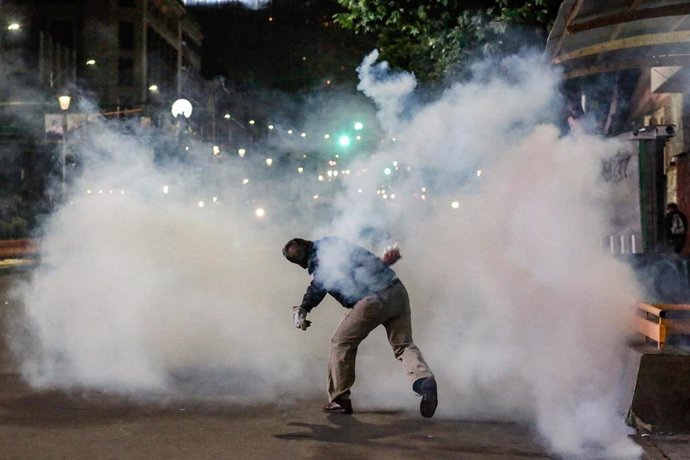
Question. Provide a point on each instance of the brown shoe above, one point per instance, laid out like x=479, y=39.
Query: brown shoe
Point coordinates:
x=342, y=407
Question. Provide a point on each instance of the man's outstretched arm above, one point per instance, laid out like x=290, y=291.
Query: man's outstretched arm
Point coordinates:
x=391, y=255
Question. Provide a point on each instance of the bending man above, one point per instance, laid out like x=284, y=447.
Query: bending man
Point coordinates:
x=370, y=289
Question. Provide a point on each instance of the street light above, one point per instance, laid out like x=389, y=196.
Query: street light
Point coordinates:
x=181, y=107
x=64, y=101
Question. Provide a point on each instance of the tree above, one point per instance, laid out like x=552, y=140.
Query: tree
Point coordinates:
x=437, y=39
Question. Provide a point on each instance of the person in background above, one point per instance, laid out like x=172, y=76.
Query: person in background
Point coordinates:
x=676, y=227
x=371, y=291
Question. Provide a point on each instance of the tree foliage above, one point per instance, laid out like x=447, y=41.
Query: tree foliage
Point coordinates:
x=437, y=39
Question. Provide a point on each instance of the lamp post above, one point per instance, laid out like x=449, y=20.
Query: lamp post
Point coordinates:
x=64, y=101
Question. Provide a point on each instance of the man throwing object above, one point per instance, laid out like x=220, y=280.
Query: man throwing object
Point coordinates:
x=367, y=286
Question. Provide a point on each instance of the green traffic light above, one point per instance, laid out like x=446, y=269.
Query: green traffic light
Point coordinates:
x=344, y=141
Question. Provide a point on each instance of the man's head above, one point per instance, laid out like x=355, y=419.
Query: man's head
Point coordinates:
x=297, y=251
x=672, y=207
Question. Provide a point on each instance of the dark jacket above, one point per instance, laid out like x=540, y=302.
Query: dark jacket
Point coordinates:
x=346, y=271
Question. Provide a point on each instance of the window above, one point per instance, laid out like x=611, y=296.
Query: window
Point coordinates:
x=125, y=72
x=125, y=36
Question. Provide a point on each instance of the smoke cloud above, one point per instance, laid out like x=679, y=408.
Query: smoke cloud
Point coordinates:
x=498, y=215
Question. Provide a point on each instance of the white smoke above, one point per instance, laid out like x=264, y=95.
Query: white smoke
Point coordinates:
x=518, y=311
x=498, y=216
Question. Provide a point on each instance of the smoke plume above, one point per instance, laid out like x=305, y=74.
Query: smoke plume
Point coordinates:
x=166, y=280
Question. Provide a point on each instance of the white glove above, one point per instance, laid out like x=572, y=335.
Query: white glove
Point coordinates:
x=299, y=316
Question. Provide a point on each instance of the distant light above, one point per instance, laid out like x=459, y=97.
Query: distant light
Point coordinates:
x=227, y=116
x=260, y=212
x=216, y=150
x=251, y=122
x=359, y=190
x=393, y=139
x=91, y=62
x=303, y=134
x=387, y=171
x=358, y=137
x=271, y=126
x=152, y=88
x=326, y=136
x=245, y=181
x=200, y=204
x=479, y=173
x=89, y=192
x=289, y=131
x=215, y=199
x=359, y=125
x=320, y=178
x=316, y=197
x=181, y=107
x=395, y=163
x=14, y=26
x=64, y=101
x=455, y=205
x=270, y=19
x=165, y=189
x=300, y=170
x=269, y=161
x=344, y=141
x=241, y=152
x=328, y=82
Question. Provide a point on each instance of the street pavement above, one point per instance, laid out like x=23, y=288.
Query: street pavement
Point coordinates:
x=41, y=424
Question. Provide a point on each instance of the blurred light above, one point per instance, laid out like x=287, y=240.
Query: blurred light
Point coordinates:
x=423, y=189
x=328, y=82
x=187, y=148
x=241, y=152
x=271, y=127
x=303, y=134
x=269, y=161
x=122, y=192
x=479, y=173
x=165, y=189
x=260, y=212
x=245, y=181
x=289, y=131
x=358, y=137
x=326, y=136
x=395, y=163
x=329, y=173
x=215, y=199
x=385, y=197
x=393, y=139
x=216, y=150
x=63, y=102
x=387, y=171
x=335, y=173
x=227, y=116
x=332, y=162
x=359, y=125
x=181, y=107
x=316, y=197
x=200, y=204
x=91, y=62
x=344, y=141
x=359, y=190
x=423, y=197
x=14, y=26
x=320, y=178
x=300, y=170
x=270, y=19
x=89, y=192
x=100, y=192
x=392, y=196
x=251, y=122
x=455, y=205
x=153, y=88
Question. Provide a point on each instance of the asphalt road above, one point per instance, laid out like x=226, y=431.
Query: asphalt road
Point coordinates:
x=91, y=425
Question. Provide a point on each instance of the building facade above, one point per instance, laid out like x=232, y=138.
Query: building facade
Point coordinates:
x=125, y=54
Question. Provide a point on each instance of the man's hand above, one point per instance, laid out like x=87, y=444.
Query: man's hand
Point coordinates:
x=299, y=316
x=391, y=255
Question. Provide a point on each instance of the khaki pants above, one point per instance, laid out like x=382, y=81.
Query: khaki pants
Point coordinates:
x=390, y=307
